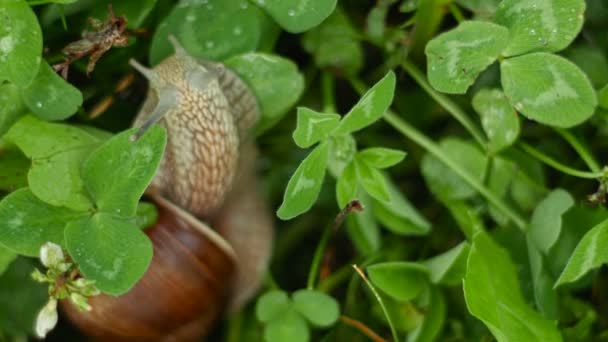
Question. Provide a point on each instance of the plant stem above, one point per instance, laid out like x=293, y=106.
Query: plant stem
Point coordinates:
x=316, y=260
x=327, y=234
x=557, y=165
x=380, y=301
x=582, y=151
x=364, y=329
x=456, y=12
x=426, y=143
x=327, y=87
x=339, y=276
x=446, y=103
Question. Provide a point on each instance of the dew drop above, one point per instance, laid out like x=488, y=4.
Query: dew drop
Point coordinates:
x=39, y=104
x=210, y=7
x=190, y=18
x=261, y=3
x=291, y=13
x=533, y=32
x=209, y=44
x=237, y=31
x=244, y=5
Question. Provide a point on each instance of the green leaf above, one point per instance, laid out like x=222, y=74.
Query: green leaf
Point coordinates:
x=450, y=267
x=26, y=223
x=335, y=44
x=434, y=318
x=57, y=152
x=498, y=118
x=347, y=185
x=442, y=181
x=232, y=27
x=12, y=107
x=288, y=327
x=13, y=170
x=20, y=42
x=456, y=57
x=402, y=281
x=110, y=250
x=318, y=308
x=117, y=172
x=548, y=88
x=466, y=217
x=50, y=97
x=372, y=181
x=381, y=157
x=271, y=305
x=305, y=184
x=548, y=25
x=592, y=61
x=398, y=215
x=528, y=183
x=275, y=81
x=370, y=107
x=6, y=258
x=545, y=295
x=500, y=178
x=20, y=298
x=342, y=151
x=313, y=127
x=297, y=16
x=602, y=96
x=590, y=253
x=546, y=224
x=493, y=295
x=146, y=215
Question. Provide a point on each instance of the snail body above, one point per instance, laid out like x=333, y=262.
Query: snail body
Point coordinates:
x=206, y=180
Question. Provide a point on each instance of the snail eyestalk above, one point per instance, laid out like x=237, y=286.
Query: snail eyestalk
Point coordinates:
x=179, y=49
x=150, y=74
x=168, y=99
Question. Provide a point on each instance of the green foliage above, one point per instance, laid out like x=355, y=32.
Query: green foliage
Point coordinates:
x=110, y=250
x=233, y=27
x=515, y=251
x=589, y=254
x=548, y=88
x=335, y=44
x=457, y=57
x=20, y=43
x=546, y=222
x=50, y=97
x=101, y=235
x=20, y=298
x=546, y=26
x=498, y=118
x=274, y=80
x=305, y=184
x=298, y=15
x=442, y=181
x=400, y=280
x=286, y=319
x=491, y=278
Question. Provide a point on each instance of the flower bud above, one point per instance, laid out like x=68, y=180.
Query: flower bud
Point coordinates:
x=47, y=318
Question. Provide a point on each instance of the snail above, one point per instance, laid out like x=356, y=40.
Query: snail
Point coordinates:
x=206, y=179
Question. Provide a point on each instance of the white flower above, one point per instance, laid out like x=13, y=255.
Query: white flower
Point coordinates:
x=51, y=254
x=47, y=318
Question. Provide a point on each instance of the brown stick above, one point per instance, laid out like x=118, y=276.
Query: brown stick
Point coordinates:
x=364, y=329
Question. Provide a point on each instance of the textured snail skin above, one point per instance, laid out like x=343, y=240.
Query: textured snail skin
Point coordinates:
x=180, y=295
x=208, y=170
